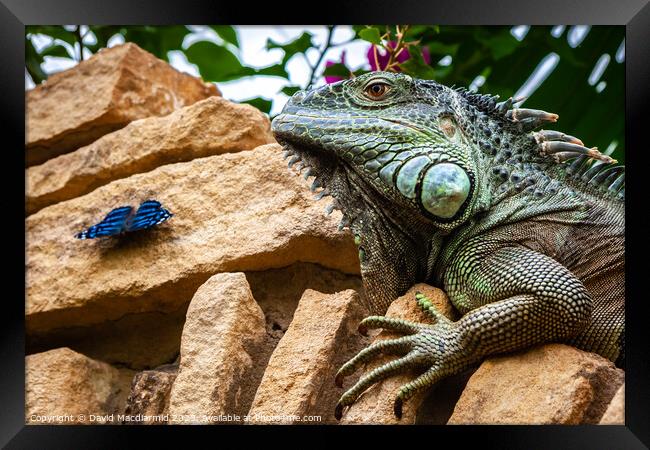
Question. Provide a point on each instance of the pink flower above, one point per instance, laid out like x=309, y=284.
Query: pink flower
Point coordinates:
x=382, y=58
x=329, y=79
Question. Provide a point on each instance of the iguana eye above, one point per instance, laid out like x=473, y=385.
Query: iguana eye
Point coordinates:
x=377, y=90
x=448, y=126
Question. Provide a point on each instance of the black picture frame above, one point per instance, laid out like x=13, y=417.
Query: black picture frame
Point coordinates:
x=634, y=14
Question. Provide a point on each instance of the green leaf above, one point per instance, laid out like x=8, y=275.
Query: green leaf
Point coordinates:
x=440, y=72
x=371, y=35
x=275, y=70
x=502, y=45
x=54, y=31
x=290, y=90
x=415, y=31
x=103, y=32
x=299, y=45
x=216, y=63
x=337, y=70
x=438, y=48
x=227, y=33
x=56, y=50
x=158, y=40
x=417, y=66
x=260, y=103
x=33, y=62
x=171, y=38
x=102, y=35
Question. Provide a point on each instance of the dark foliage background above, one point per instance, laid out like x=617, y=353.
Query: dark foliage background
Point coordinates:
x=592, y=111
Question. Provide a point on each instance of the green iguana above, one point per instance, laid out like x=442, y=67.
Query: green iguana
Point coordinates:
x=523, y=229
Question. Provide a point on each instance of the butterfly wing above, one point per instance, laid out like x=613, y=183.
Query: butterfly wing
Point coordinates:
x=114, y=223
x=149, y=214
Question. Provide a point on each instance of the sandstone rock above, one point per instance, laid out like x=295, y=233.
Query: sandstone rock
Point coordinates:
x=136, y=341
x=233, y=212
x=208, y=127
x=441, y=398
x=615, y=413
x=278, y=291
x=549, y=384
x=375, y=406
x=147, y=340
x=223, y=329
x=63, y=387
x=299, y=378
x=148, y=402
x=106, y=92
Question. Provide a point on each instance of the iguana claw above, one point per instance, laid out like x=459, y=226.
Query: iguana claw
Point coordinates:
x=338, y=411
x=425, y=345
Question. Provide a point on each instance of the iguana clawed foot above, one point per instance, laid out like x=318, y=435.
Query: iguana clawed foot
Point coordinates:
x=434, y=346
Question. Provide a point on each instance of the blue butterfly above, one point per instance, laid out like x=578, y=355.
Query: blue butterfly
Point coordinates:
x=121, y=220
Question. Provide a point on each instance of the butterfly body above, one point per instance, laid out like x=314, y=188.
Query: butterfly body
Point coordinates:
x=122, y=220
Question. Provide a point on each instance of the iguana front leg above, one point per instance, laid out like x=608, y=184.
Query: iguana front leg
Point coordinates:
x=513, y=298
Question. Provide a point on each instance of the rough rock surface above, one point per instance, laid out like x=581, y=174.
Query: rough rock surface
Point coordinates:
x=278, y=291
x=299, y=378
x=375, y=406
x=222, y=334
x=137, y=341
x=549, y=384
x=439, y=400
x=208, y=127
x=65, y=387
x=147, y=340
x=148, y=402
x=615, y=413
x=233, y=212
x=102, y=94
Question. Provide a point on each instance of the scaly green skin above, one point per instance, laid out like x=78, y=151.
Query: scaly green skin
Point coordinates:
x=520, y=229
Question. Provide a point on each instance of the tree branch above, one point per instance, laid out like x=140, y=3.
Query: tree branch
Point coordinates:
x=399, y=46
x=328, y=44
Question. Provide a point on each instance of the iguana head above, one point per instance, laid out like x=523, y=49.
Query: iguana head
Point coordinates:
x=407, y=161
x=391, y=151
x=397, y=135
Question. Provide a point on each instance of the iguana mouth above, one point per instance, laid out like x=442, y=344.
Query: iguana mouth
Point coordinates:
x=328, y=176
